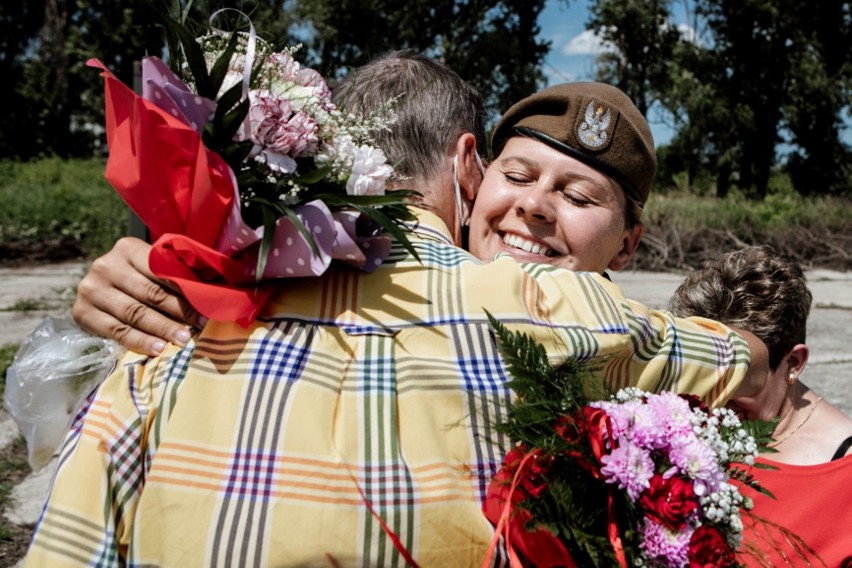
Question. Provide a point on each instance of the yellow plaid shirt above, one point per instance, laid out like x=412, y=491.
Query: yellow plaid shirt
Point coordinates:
x=359, y=409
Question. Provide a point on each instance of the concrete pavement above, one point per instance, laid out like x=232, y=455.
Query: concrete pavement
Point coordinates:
x=51, y=288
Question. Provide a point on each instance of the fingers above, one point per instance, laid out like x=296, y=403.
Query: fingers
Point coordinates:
x=121, y=299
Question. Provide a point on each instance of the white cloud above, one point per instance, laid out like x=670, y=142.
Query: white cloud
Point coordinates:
x=587, y=43
x=688, y=34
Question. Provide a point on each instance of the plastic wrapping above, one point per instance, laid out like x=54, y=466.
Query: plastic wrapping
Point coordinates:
x=56, y=367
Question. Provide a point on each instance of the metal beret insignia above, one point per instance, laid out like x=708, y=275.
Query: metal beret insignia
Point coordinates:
x=592, y=131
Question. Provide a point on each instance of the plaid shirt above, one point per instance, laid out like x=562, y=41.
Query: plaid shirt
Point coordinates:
x=359, y=409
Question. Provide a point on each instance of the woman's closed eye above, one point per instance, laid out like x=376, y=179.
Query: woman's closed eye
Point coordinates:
x=517, y=178
x=577, y=199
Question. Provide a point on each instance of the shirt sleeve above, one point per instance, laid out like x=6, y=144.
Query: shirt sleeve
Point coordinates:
x=635, y=345
x=87, y=518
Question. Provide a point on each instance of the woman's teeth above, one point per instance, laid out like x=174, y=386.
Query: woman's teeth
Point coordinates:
x=523, y=244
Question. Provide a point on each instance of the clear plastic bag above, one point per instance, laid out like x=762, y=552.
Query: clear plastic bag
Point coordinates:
x=56, y=367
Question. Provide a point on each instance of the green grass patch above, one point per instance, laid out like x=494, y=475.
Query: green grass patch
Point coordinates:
x=30, y=305
x=54, y=199
x=7, y=353
x=682, y=229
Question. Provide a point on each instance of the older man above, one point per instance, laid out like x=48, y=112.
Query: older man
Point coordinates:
x=352, y=424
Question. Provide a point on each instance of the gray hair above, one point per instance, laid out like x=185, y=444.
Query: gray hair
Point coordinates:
x=435, y=108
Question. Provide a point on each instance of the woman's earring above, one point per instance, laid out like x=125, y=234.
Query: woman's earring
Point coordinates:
x=791, y=378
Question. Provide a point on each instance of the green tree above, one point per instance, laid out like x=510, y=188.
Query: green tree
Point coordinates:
x=60, y=98
x=20, y=23
x=492, y=44
x=642, y=40
x=766, y=72
x=821, y=85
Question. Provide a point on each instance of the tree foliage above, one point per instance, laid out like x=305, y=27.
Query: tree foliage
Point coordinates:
x=492, y=44
x=642, y=42
x=753, y=76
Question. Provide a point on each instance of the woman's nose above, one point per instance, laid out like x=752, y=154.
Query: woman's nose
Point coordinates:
x=536, y=205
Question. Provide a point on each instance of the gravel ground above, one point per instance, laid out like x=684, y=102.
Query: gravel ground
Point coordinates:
x=49, y=289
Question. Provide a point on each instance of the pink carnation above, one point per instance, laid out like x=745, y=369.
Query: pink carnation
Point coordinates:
x=278, y=133
x=286, y=68
x=311, y=78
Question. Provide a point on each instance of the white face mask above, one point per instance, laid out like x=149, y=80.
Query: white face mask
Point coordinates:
x=464, y=216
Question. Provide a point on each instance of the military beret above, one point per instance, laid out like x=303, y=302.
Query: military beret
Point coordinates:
x=595, y=123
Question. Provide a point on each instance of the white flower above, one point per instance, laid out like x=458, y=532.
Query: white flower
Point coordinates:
x=370, y=171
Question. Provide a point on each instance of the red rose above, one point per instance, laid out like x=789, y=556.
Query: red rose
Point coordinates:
x=569, y=428
x=709, y=549
x=534, y=479
x=539, y=546
x=695, y=402
x=669, y=501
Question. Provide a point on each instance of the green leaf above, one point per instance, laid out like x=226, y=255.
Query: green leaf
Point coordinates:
x=232, y=121
x=390, y=226
x=220, y=67
x=194, y=58
x=227, y=101
x=301, y=227
x=235, y=154
x=290, y=214
x=523, y=356
x=313, y=176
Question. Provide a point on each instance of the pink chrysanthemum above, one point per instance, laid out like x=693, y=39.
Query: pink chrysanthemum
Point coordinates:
x=673, y=413
x=664, y=546
x=695, y=459
x=630, y=467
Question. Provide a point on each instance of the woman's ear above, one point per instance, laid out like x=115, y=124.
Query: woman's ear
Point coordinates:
x=629, y=244
x=797, y=359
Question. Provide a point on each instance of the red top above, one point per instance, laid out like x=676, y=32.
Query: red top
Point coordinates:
x=813, y=501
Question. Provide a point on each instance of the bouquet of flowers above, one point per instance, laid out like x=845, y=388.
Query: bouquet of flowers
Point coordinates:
x=628, y=479
x=244, y=170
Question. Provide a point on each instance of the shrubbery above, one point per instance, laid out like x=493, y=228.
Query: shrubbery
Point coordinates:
x=68, y=205
x=683, y=230
x=55, y=204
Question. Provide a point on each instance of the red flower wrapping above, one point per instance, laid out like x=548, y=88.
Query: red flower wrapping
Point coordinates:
x=669, y=501
x=538, y=546
x=187, y=196
x=708, y=549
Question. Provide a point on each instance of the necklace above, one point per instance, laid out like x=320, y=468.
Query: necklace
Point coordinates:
x=799, y=425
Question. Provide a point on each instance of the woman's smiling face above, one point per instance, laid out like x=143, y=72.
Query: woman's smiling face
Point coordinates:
x=541, y=205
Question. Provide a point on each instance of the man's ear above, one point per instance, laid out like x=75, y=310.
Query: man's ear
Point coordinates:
x=469, y=174
x=629, y=244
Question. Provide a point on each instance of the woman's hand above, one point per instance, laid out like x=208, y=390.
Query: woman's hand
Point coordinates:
x=120, y=298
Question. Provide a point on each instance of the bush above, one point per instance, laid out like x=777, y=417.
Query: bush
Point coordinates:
x=683, y=230
x=68, y=205
x=60, y=203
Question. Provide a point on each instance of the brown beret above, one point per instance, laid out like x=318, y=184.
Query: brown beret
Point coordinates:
x=595, y=123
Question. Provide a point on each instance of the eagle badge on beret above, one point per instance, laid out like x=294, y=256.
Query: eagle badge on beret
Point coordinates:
x=592, y=131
